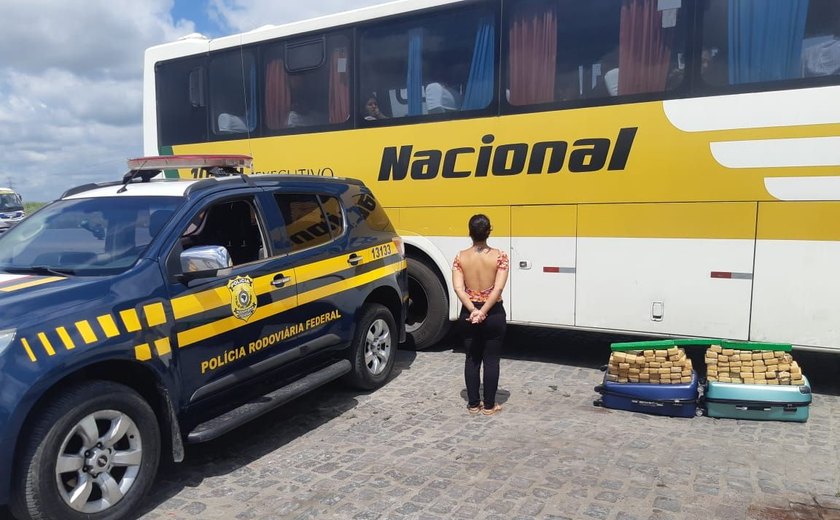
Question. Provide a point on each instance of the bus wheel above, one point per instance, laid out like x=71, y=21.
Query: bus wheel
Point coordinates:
x=428, y=307
x=92, y=454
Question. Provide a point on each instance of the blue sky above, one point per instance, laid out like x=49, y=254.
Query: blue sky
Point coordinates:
x=198, y=12
x=71, y=78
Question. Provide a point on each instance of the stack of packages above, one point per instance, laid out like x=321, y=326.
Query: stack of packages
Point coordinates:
x=746, y=381
x=760, y=367
x=665, y=367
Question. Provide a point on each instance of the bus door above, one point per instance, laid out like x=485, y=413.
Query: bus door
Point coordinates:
x=543, y=264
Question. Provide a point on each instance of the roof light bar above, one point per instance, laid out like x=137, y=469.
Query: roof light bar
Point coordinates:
x=190, y=161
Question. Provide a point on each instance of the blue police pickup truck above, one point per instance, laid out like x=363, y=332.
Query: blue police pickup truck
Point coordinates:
x=143, y=314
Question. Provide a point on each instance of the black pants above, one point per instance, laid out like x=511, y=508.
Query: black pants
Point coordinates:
x=483, y=343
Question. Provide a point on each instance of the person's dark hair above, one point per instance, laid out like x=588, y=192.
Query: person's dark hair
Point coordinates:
x=479, y=227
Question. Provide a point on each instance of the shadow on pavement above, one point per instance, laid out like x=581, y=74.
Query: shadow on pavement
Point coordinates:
x=250, y=442
x=592, y=350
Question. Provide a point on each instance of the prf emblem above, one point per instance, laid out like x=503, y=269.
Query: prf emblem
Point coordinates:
x=243, y=301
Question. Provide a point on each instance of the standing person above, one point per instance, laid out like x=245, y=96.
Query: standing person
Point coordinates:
x=479, y=274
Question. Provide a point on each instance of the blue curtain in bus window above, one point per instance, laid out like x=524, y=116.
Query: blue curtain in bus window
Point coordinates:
x=765, y=39
x=414, y=82
x=479, y=92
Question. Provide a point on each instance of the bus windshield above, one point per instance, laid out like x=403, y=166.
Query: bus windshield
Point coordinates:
x=10, y=202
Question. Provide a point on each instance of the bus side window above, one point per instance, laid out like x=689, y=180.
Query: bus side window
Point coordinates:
x=442, y=63
x=232, y=86
x=307, y=83
x=590, y=50
x=802, y=40
x=181, y=112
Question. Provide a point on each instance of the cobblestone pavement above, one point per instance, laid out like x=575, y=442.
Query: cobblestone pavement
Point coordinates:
x=410, y=450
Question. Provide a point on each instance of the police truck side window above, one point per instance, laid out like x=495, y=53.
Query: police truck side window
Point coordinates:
x=334, y=216
x=306, y=225
x=233, y=225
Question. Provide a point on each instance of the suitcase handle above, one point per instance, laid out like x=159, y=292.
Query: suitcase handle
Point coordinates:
x=754, y=408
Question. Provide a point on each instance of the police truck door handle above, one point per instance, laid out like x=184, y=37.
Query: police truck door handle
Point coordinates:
x=354, y=259
x=280, y=280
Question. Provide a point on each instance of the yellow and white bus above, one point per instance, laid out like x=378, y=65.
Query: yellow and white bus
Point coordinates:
x=661, y=167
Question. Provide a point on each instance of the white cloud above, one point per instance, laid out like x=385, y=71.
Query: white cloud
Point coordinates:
x=244, y=15
x=70, y=89
x=87, y=37
x=71, y=80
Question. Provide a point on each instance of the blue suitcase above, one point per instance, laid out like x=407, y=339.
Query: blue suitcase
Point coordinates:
x=758, y=402
x=674, y=400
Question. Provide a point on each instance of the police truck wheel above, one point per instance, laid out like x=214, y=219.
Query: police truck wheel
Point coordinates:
x=374, y=348
x=92, y=454
x=428, y=307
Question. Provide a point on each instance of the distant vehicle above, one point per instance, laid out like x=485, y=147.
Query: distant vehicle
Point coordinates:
x=11, y=209
x=695, y=193
x=141, y=315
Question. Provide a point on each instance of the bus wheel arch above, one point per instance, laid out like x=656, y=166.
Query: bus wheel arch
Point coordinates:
x=427, y=320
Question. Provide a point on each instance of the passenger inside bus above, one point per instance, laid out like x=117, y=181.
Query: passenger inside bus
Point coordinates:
x=442, y=98
x=372, y=112
x=443, y=94
x=230, y=123
x=303, y=114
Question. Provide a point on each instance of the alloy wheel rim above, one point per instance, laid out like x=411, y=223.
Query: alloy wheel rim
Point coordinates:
x=99, y=461
x=377, y=346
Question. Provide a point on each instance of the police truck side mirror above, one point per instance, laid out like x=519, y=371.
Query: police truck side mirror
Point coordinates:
x=203, y=262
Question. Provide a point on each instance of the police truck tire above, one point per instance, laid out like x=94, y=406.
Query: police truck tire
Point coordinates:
x=428, y=309
x=92, y=454
x=374, y=348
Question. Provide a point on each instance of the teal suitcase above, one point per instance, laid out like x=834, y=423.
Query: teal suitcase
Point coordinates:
x=757, y=402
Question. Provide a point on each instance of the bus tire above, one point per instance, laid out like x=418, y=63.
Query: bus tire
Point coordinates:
x=110, y=432
x=427, y=321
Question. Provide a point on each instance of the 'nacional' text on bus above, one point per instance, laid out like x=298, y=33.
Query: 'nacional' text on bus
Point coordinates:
x=586, y=155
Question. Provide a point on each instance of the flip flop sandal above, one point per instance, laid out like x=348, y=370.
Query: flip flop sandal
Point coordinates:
x=492, y=411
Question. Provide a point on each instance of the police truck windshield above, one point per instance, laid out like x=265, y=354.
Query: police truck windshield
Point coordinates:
x=86, y=237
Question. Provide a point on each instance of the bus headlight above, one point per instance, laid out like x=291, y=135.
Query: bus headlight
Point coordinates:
x=6, y=338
